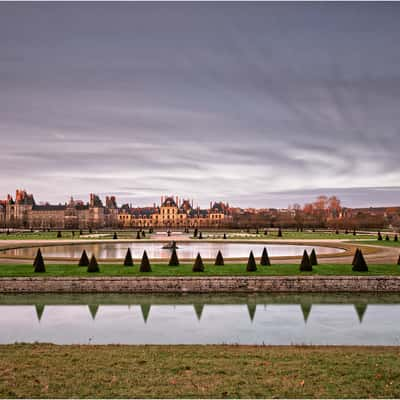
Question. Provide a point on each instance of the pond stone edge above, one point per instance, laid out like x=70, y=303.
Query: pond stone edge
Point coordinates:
x=210, y=284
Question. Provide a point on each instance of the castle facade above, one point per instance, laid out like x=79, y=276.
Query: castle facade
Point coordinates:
x=23, y=212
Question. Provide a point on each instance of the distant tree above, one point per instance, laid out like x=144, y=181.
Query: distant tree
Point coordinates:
x=128, y=262
x=346, y=231
x=80, y=232
x=93, y=265
x=219, y=260
x=84, y=260
x=145, y=263
x=257, y=231
x=251, y=263
x=73, y=233
x=59, y=235
x=265, y=232
x=305, y=264
x=90, y=230
x=360, y=265
x=173, y=261
x=379, y=236
x=279, y=232
x=195, y=232
x=396, y=238
x=38, y=263
x=115, y=236
x=198, y=265
x=354, y=232
x=265, y=258
x=337, y=232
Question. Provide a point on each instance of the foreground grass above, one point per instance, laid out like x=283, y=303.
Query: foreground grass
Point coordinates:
x=186, y=270
x=50, y=371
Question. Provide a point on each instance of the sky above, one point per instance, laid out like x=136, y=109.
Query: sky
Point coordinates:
x=257, y=104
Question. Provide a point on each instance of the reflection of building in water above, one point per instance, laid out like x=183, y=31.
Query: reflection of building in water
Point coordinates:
x=175, y=213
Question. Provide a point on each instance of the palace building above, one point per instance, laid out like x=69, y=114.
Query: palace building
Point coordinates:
x=175, y=213
x=23, y=212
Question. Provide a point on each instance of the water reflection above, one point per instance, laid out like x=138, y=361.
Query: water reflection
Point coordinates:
x=198, y=319
x=114, y=250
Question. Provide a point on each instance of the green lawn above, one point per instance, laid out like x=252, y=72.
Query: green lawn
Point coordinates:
x=186, y=270
x=38, y=235
x=390, y=243
x=285, y=235
x=49, y=371
x=231, y=235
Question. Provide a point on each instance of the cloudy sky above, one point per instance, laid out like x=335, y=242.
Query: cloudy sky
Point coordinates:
x=260, y=104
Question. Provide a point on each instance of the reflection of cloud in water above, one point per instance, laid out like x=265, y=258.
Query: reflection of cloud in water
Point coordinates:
x=186, y=250
x=199, y=323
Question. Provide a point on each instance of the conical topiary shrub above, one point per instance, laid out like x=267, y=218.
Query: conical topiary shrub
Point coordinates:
x=115, y=236
x=355, y=256
x=128, y=262
x=59, y=235
x=201, y=235
x=219, y=260
x=398, y=261
x=93, y=266
x=84, y=260
x=396, y=238
x=305, y=265
x=354, y=232
x=173, y=261
x=38, y=263
x=379, y=236
x=359, y=264
x=387, y=238
x=138, y=235
x=198, y=265
x=279, y=232
x=251, y=263
x=224, y=235
x=145, y=263
x=265, y=258
x=313, y=257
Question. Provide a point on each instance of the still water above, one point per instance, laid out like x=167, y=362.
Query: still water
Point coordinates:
x=155, y=250
x=201, y=319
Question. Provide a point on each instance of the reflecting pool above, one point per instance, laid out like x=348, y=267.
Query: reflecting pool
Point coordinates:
x=201, y=319
x=155, y=250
